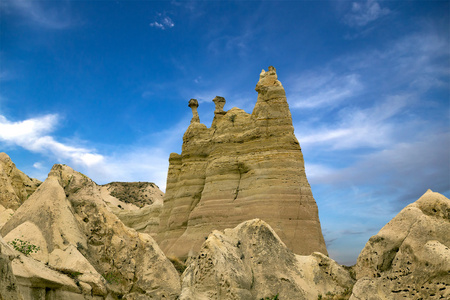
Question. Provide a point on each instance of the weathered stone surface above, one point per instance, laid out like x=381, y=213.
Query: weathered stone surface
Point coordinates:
x=31, y=279
x=251, y=262
x=138, y=194
x=410, y=257
x=9, y=289
x=5, y=215
x=137, y=204
x=245, y=166
x=75, y=222
x=15, y=186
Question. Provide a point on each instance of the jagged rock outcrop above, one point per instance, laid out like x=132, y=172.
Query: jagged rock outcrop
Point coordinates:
x=410, y=257
x=15, y=186
x=137, y=194
x=251, y=262
x=245, y=166
x=78, y=234
x=137, y=204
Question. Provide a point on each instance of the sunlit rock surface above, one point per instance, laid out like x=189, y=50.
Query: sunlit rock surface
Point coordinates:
x=245, y=166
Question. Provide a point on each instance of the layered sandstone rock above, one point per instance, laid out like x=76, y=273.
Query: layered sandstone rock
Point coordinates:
x=15, y=186
x=251, y=262
x=78, y=234
x=245, y=166
x=410, y=257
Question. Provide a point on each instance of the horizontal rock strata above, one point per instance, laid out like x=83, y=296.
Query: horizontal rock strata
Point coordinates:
x=245, y=166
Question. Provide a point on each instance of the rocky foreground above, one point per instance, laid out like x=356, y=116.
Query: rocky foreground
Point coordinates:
x=86, y=252
x=238, y=221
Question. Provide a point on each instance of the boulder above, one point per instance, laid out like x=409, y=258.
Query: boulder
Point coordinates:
x=245, y=166
x=410, y=257
x=251, y=262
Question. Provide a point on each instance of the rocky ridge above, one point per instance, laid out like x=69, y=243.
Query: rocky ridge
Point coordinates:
x=15, y=186
x=245, y=166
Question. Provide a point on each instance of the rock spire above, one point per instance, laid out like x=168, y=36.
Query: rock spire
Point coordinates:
x=245, y=166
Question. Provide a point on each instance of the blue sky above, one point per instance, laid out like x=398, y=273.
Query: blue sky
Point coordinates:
x=103, y=86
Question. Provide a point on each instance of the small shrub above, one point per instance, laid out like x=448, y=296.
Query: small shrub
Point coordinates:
x=179, y=265
x=111, y=278
x=271, y=298
x=24, y=246
x=232, y=118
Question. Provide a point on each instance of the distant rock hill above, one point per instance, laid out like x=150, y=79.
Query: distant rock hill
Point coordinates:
x=245, y=166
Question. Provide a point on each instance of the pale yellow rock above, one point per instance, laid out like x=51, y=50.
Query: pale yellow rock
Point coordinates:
x=75, y=221
x=15, y=186
x=251, y=262
x=245, y=166
x=34, y=280
x=5, y=215
x=139, y=206
x=9, y=289
x=410, y=257
x=28, y=232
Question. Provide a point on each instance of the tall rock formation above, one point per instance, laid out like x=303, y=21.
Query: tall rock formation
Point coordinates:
x=245, y=166
x=15, y=186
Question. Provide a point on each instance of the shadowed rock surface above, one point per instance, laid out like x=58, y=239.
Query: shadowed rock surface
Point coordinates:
x=15, y=186
x=410, y=257
x=245, y=166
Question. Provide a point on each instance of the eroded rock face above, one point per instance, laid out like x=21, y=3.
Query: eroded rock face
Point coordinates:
x=78, y=230
x=137, y=204
x=410, y=257
x=251, y=262
x=15, y=186
x=245, y=166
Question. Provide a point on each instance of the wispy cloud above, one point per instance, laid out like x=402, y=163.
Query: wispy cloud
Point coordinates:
x=37, y=13
x=325, y=88
x=356, y=128
x=163, y=22
x=363, y=13
x=33, y=135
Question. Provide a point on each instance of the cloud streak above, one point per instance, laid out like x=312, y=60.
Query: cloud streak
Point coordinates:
x=321, y=89
x=363, y=13
x=34, y=12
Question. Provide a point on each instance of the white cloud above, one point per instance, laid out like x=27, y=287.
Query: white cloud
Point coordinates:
x=363, y=13
x=356, y=128
x=325, y=88
x=163, y=22
x=32, y=134
x=35, y=12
